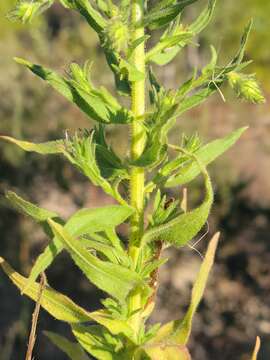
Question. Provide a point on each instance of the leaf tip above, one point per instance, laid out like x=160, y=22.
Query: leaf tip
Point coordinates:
x=256, y=348
x=21, y=61
x=215, y=239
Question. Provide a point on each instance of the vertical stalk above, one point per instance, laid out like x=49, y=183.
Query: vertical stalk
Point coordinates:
x=137, y=131
x=137, y=147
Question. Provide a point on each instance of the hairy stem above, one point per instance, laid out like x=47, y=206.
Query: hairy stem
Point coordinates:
x=137, y=147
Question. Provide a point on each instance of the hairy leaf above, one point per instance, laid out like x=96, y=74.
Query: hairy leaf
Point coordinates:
x=162, y=16
x=58, y=305
x=184, y=227
x=204, y=18
x=50, y=147
x=156, y=54
x=73, y=350
x=205, y=154
x=85, y=221
x=98, y=104
x=164, y=57
x=182, y=333
x=162, y=351
x=178, y=332
x=29, y=209
x=114, y=325
x=114, y=279
x=98, y=342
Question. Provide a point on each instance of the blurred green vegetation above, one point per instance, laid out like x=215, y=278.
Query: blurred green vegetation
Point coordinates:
x=31, y=110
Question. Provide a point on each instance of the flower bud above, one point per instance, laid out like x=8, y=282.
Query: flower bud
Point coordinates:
x=246, y=87
x=116, y=34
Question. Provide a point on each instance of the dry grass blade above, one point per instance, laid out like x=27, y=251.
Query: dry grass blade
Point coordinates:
x=256, y=349
x=32, y=336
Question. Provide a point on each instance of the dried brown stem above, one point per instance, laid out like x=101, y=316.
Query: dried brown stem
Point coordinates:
x=32, y=336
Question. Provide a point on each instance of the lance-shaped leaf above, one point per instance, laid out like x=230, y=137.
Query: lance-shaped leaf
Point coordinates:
x=184, y=227
x=98, y=104
x=87, y=153
x=163, y=15
x=114, y=279
x=46, y=148
x=206, y=154
x=73, y=350
x=167, y=42
x=29, y=209
x=241, y=52
x=256, y=349
x=98, y=342
x=115, y=325
x=58, y=305
x=63, y=308
x=194, y=100
x=85, y=221
x=88, y=221
x=164, y=57
x=204, y=18
x=181, y=335
x=81, y=152
x=178, y=332
x=162, y=351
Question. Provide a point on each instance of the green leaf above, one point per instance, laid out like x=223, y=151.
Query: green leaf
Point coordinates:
x=194, y=100
x=81, y=152
x=165, y=57
x=205, y=154
x=157, y=52
x=162, y=16
x=114, y=279
x=98, y=104
x=50, y=147
x=103, y=249
x=58, y=305
x=114, y=325
x=184, y=227
x=85, y=221
x=113, y=60
x=162, y=351
x=110, y=165
x=63, y=308
x=195, y=28
x=88, y=221
x=179, y=331
x=204, y=18
x=29, y=209
x=158, y=125
x=98, y=342
x=241, y=52
x=129, y=71
x=73, y=350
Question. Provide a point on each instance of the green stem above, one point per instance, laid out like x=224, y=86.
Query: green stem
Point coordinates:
x=137, y=147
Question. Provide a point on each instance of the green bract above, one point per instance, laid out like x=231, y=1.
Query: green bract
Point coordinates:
x=126, y=271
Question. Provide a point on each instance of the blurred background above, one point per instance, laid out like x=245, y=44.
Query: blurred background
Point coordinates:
x=236, y=306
